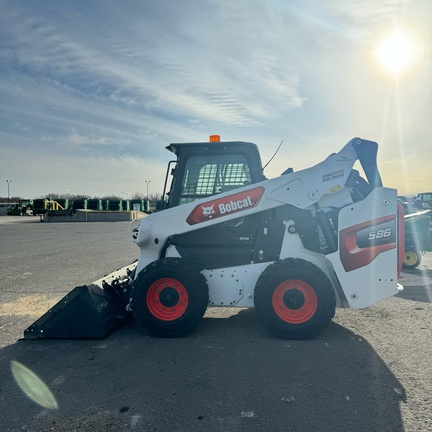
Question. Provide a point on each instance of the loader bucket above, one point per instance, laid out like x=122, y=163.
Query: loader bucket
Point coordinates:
x=87, y=312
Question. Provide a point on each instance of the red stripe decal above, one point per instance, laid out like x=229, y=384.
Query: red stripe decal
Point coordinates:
x=225, y=206
x=375, y=236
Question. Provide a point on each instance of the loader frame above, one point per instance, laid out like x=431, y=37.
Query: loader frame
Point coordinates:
x=351, y=240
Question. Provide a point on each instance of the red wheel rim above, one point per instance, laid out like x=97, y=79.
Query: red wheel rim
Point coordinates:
x=167, y=299
x=294, y=301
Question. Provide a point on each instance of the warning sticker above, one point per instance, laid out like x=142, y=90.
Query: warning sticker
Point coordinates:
x=333, y=175
x=335, y=189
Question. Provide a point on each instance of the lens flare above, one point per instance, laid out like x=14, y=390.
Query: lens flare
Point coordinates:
x=32, y=386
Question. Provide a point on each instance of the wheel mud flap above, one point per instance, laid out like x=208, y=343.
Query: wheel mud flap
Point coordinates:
x=86, y=312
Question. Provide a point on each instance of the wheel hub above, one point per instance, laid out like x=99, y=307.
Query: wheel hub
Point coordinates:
x=169, y=297
x=295, y=301
x=410, y=258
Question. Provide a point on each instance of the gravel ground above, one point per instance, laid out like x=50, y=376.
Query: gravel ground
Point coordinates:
x=369, y=371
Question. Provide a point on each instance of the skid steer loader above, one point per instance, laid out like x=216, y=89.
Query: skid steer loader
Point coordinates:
x=293, y=247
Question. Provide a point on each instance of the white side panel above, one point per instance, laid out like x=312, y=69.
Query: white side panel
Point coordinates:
x=372, y=274
x=233, y=286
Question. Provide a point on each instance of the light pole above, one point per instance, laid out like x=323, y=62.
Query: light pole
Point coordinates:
x=147, y=183
x=8, y=184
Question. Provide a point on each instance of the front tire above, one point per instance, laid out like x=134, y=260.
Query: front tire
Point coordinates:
x=294, y=299
x=169, y=297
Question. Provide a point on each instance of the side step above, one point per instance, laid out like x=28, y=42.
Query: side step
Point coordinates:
x=88, y=311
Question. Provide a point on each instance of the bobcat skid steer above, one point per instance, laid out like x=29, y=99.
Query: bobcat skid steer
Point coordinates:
x=294, y=247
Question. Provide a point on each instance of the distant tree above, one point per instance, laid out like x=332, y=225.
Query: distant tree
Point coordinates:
x=155, y=197
x=11, y=199
x=152, y=197
x=68, y=196
x=111, y=197
x=71, y=197
x=138, y=196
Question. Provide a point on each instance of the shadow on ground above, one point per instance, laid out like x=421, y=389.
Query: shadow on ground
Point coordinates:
x=229, y=375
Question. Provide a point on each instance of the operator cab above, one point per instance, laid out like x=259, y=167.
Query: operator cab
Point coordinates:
x=208, y=168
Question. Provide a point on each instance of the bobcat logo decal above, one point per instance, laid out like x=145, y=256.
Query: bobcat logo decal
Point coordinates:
x=208, y=211
x=225, y=206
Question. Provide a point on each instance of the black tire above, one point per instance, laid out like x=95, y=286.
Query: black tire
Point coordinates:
x=412, y=258
x=294, y=299
x=169, y=297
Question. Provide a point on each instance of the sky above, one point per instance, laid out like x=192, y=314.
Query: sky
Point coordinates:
x=92, y=91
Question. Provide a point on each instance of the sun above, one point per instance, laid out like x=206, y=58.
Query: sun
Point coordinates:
x=397, y=52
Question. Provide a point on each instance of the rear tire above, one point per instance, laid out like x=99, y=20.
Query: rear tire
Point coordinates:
x=412, y=258
x=294, y=299
x=169, y=297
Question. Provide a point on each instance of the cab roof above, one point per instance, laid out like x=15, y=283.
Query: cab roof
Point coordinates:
x=214, y=147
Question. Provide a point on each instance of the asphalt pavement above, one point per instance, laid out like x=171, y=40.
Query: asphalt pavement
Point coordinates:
x=369, y=371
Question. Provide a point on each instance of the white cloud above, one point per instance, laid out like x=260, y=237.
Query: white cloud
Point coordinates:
x=367, y=12
x=113, y=80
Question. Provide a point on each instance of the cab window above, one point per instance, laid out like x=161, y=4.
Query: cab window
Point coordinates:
x=209, y=175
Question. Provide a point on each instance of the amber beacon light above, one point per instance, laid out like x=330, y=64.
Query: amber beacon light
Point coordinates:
x=214, y=138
